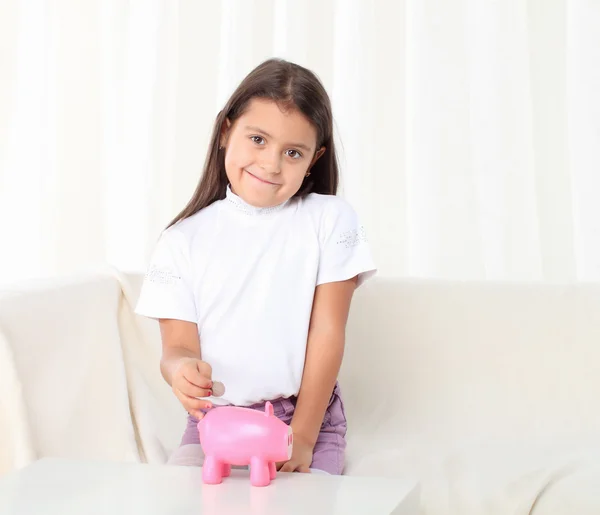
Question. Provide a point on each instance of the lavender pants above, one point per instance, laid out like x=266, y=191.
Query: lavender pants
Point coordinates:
x=328, y=454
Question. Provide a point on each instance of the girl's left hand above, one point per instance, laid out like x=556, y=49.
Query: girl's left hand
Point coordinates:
x=302, y=455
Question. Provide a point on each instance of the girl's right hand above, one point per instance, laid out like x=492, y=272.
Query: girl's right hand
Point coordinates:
x=191, y=379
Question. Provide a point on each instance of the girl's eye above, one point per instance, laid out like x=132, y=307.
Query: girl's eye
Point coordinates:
x=294, y=154
x=258, y=140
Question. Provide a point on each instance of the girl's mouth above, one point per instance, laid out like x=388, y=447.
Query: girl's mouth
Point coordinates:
x=261, y=180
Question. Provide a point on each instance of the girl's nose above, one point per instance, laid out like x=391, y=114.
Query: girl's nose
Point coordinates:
x=271, y=163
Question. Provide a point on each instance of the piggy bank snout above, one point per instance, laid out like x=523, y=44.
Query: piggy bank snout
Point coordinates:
x=281, y=442
x=289, y=442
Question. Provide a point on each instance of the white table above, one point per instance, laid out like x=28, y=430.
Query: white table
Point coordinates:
x=60, y=487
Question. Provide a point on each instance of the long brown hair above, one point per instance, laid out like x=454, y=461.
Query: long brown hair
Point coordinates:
x=286, y=83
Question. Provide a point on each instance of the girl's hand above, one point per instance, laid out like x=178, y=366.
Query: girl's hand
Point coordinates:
x=191, y=379
x=302, y=456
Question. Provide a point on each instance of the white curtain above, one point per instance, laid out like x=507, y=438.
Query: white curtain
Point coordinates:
x=470, y=128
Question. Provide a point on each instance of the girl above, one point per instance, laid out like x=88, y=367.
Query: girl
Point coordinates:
x=252, y=281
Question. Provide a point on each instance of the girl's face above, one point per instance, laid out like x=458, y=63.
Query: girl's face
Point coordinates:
x=268, y=152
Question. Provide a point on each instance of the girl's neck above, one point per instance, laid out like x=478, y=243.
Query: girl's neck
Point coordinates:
x=241, y=205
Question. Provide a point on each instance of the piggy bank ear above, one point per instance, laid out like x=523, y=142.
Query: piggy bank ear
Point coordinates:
x=268, y=409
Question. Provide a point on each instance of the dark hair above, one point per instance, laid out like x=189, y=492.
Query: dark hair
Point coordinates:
x=293, y=86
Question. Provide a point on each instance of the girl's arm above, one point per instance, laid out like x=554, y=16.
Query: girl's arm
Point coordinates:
x=325, y=348
x=181, y=366
x=180, y=342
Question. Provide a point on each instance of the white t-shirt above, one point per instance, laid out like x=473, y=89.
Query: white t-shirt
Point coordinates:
x=247, y=277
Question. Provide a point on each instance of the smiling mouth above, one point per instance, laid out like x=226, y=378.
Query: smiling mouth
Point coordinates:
x=261, y=180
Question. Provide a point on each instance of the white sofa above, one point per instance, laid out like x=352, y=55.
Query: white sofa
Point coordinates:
x=488, y=393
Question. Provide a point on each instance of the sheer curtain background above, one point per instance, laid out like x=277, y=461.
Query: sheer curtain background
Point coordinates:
x=470, y=129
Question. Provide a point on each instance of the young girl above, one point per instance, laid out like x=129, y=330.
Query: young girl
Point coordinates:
x=252, y=281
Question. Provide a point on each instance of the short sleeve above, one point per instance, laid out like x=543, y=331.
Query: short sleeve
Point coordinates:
x=167, y=290
x=345, y=250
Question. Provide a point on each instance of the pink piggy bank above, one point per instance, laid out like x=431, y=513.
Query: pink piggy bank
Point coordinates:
x=231, y=435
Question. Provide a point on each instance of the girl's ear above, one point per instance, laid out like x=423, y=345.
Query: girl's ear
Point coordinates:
x=225, y=132
x=318, y=154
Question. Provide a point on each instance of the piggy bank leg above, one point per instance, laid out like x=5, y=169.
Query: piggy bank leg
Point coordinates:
x=212, y=471
x=259, y=472
x=226, y=469
x=272, y=470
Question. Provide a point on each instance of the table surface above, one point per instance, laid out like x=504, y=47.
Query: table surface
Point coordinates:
x=64, y=487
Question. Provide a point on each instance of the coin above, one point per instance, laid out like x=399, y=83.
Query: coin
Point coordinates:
x=218, y=389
